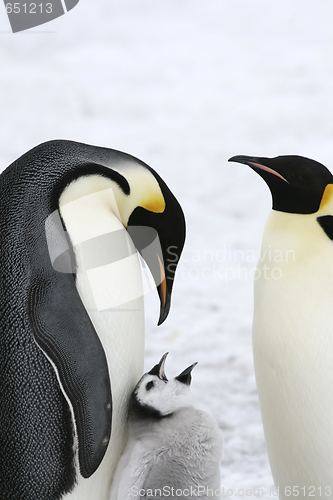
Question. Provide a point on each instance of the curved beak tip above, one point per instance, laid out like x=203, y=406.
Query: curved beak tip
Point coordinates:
x=242, y=159
x=190, y=368
x=161, y=374
x=185, y=376
x=164, y=311
x=158, y=369
x=162, y=318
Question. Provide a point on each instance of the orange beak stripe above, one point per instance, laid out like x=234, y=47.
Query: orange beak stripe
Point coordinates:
x=267, y=169
x=163, y=282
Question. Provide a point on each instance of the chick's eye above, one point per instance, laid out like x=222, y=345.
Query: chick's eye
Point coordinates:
x=150, y=385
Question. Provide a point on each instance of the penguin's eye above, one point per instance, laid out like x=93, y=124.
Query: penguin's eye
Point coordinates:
x=150, y=385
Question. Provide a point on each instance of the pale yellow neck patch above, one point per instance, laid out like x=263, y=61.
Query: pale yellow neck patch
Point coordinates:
x=145, y=191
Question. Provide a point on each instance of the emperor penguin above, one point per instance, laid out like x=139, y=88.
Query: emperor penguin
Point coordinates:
x=73, y=218
x=293, y=324
x=174, y=450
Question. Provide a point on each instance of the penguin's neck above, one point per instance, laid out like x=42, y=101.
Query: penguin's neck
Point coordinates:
x=300, y=234
x=290, y=238
x=109, y=283
x=295, y=273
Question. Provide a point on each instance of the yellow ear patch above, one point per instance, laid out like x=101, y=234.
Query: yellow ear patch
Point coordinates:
x=327, y=196
x=155, y=204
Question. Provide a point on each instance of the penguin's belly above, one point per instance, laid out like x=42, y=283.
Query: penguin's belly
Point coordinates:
x=293, y=357
x=121, y=331
x=109, y=283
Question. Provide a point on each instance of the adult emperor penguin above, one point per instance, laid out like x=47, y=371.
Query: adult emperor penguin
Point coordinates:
x=71, y=301
x=174, y=450
x=293, y=324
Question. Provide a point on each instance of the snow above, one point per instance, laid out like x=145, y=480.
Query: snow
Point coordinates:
x=184, y=85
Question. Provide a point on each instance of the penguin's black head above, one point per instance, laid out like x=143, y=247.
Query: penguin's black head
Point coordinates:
x=297, y=184
x=162, y=254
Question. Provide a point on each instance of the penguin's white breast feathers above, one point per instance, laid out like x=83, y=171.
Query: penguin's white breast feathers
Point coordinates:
x=113, y=297
x=293, y=345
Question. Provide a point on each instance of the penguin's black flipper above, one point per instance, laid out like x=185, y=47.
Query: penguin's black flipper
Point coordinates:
x=64, y=332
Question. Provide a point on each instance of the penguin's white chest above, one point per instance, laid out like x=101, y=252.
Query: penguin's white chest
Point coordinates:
x=110, y=286
x=293, y=354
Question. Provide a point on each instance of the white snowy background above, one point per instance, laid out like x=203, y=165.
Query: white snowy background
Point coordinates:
x=184, y=85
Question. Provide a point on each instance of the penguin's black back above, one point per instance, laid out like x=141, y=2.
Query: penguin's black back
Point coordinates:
x=36, y=424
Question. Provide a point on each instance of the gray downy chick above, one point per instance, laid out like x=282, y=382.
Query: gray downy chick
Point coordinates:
x=174, y=449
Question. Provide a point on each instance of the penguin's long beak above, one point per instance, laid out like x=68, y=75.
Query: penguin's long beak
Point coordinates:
x=185, y=376
x=164, y=294
x=257, y=165
x=158, y=369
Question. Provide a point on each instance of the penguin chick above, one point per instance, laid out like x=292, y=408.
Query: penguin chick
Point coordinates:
x=173, y=448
